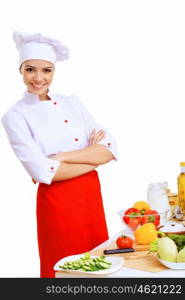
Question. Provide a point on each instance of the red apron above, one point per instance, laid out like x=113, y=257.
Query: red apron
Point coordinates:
x=70, y=219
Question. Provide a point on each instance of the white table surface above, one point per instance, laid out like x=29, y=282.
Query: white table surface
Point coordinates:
x=126, y=272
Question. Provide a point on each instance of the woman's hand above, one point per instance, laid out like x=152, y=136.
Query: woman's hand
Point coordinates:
x=96, y=137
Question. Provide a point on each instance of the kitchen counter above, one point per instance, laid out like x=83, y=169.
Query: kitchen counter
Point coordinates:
x=126, y=272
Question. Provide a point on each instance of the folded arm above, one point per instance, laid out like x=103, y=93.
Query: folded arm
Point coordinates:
x=67, y=170
x=94, y=155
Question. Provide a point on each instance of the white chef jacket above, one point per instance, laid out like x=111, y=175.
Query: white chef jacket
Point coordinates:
x=38, y=129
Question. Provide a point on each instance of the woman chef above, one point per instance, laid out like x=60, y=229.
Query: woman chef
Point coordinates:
x=60, y=145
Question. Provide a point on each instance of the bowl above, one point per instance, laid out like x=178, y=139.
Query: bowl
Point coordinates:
x=172, y=228
x=133, y=222
x=172, y=265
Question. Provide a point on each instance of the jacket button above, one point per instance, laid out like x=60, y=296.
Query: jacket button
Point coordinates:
x=55, y=102
x=109, y=144
x=65, y=121
x=52, y=168
x=76, y=139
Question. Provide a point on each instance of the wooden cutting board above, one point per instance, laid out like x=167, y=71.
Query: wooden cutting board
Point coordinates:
x=141, y=259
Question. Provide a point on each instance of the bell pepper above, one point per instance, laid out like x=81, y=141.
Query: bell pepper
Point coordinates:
x=142, y=206
x=151, y=216
x=132, y=217
x=145, y=234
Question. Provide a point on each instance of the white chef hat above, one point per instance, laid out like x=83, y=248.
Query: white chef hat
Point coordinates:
x=39, y=46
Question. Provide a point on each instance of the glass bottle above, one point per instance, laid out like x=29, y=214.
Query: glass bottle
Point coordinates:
x=173, y=201
x=158, y=200
x=181, y=187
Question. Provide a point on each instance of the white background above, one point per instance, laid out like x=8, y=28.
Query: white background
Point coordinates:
x=127, y=65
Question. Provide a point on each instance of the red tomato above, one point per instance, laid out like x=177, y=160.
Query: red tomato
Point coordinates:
x=151, y=216
x=132, y=217
x=133, y=223
x=124, y=242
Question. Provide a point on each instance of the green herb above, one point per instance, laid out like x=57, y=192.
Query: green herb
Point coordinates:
x=153, y=246
x=179, y=240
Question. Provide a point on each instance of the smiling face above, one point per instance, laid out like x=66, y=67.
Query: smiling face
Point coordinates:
x=37, y=76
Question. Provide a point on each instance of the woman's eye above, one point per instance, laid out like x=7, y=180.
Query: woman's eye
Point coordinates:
x=47, y=70
x=29, y=69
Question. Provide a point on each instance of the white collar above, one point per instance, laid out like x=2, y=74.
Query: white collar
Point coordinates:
x=33, y=98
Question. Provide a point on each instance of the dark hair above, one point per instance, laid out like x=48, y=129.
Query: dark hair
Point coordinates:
x=20, y=67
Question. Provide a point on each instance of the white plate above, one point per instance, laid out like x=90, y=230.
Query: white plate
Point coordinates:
x=172, y=265
x=117, y=263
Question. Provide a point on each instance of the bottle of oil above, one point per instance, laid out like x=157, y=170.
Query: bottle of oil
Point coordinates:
x=181, y=188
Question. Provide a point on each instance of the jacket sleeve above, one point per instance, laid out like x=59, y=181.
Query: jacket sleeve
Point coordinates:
x=108, y=141
x=39, y=167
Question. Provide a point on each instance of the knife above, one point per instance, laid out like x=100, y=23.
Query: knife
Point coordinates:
x=115, y=251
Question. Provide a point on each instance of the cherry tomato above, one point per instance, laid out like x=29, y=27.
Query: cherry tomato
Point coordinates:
x=124, y=242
